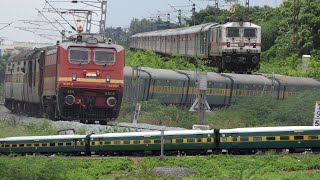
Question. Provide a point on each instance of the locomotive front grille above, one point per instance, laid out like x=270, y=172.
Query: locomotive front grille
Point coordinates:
x=89, y=104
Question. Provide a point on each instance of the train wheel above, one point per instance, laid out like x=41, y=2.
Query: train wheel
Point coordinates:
x=103, y=122
x=83, y=121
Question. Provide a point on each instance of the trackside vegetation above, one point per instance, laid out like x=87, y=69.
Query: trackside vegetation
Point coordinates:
x=208, y=167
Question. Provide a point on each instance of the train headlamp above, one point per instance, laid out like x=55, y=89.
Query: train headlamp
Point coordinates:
x=74, y=77
x=79, y=38
x=92, y=40
x=108, y=78
x=254, y=45
x=228, y=44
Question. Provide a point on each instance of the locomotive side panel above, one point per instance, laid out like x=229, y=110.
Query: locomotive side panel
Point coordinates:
x=50, y=74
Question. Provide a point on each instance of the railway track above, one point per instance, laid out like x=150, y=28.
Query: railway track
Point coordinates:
x=6, y=114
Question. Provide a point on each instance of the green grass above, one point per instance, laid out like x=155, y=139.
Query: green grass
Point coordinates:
x=209, y=167
x=265, y=111
x=153, y=112
x=244, y=112
x=151, y=59
x=14, y=127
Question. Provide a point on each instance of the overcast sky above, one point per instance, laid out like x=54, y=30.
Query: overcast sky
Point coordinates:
x=120, y=13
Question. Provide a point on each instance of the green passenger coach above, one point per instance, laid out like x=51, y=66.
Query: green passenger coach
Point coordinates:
x=294, y=138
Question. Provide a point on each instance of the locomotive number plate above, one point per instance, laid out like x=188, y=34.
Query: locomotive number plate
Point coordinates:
x=110, y=93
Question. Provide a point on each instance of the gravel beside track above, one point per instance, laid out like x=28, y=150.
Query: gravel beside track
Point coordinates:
x=174, y=172
x=5, y=114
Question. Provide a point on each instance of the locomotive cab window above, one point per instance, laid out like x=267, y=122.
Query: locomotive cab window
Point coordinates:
x=79, y=56
x=104, y=57
x=233, y=32
x=250, y=32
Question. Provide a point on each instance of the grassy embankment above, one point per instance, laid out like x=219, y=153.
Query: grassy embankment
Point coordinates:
x=210, y=167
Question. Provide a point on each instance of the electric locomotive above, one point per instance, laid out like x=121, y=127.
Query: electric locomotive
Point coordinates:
x=232, y=46
x=80, y=78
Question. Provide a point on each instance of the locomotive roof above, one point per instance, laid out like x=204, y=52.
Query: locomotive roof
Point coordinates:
x=236, y=24
x=271, y=129
x=30, y=54
x=65, y=45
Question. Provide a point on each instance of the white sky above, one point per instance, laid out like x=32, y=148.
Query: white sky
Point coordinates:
x=120, y=13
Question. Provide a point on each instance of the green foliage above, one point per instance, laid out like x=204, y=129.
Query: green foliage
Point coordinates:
x=61, y=168
x=153, y=112
x=11, y=127
x=265, y=111
x=208, y=167
x=151, y=59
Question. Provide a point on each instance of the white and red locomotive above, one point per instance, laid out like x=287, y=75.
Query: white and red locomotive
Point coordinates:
x=232, y=46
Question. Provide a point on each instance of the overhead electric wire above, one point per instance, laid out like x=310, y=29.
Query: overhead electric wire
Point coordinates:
x=50, y=23
x=6, y=26
x=61, y=16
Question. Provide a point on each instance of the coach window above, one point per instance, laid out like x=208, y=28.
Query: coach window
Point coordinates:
x=298, y=137
x=30, y=65
x=272, y=138
x=257, y=138
x=34, y=72
x=313, y=137
x=244, y=139
x=104, y=57
x=79, y=56
x=233, y=32
x=284, y=138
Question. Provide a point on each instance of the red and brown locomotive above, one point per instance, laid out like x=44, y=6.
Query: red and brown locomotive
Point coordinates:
x=78, y=79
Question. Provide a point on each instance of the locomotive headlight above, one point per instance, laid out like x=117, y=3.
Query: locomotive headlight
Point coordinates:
x=255, y=59
x=228, y=59
x=74, y=77
x=254, y=45
x=108, y=78
x=111, y=101
x=228, y=44
x=70, y=99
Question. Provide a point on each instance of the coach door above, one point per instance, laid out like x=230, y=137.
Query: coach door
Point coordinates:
x=202, y=43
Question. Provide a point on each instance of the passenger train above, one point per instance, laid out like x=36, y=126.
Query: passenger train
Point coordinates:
x=179, y=87
x=233, y=46
x=295, y=139
x=79, y=78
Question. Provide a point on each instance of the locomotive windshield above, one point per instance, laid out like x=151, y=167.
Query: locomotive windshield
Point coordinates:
x=104, y=57
x=79, y=56
x=233, y=32
x=250, y=32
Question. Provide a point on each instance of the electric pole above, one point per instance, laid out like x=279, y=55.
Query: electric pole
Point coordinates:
x=168, y=19
x=103, y=17
x=248, y=7
x=179, y=17
x=194, y=13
